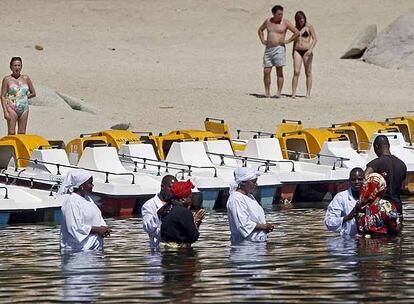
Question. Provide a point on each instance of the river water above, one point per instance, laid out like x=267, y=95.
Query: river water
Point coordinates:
x=301, y=262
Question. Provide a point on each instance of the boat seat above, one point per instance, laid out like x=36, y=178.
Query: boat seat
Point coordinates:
x=139, y=150
x=263, y=148
x=54, y=156
x=341, y=149
x=220, y=147
x=101, y=158
x=189, y=153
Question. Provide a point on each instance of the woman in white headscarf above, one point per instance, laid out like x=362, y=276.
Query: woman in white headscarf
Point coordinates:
x=246, y=217
x=82, y=227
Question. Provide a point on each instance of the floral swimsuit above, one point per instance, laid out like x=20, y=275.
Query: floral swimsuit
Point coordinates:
x=17, y=99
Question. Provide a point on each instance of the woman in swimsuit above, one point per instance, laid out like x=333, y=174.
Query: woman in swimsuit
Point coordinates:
x=16, y=90
x=302, y=51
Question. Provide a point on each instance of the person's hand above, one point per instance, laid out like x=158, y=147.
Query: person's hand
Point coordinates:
x=308, y=53
x=266, y=227
x=103, y=231
x=269, y=228
x=199, y=216
x=264, y=42
x=351, y=215
x=6, y=115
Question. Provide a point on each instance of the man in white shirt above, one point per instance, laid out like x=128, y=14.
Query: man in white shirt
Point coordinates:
x=150, y=221
x=340, y=215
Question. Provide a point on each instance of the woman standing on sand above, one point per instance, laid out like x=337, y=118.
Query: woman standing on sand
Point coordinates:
x=303, y=52
x=16, y=90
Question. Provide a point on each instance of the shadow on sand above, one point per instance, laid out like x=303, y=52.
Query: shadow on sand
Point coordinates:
x=274, y=96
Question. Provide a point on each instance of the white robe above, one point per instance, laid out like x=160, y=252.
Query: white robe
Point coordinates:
x=340, y=206
x=79, y=215
x=150, y=221
x=244, y=212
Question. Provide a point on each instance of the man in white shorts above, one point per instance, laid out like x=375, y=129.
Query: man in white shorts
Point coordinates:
x=275, y=52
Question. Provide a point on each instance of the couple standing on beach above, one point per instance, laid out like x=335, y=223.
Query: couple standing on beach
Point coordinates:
x=304, y=40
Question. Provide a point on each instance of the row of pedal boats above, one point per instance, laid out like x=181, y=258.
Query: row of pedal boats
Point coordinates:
x=127, y=168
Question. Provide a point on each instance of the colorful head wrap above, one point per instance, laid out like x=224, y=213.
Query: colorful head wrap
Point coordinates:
x=373, y=184
x=181, y=189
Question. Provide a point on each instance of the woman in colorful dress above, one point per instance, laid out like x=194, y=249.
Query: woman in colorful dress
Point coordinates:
x=16, y=90
x=375, y=216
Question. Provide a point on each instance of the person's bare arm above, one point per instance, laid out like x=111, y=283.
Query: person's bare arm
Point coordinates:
x=314, y=39
x=293, y=29
x=32, y=92
x=260, y=32
x=368, y=170
x=266, y=227
x=3, y=98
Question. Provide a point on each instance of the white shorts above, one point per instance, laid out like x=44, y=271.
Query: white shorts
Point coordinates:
x=274, y=56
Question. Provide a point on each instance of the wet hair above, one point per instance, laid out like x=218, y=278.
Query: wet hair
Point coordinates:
x=15, y=59
x=297, y=16
x=277, y=8
x=380, y=142
x=355, y=170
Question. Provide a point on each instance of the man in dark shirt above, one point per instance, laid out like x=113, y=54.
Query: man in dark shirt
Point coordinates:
x=391, y=167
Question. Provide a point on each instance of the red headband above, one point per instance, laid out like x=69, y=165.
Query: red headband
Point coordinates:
x=181, y=189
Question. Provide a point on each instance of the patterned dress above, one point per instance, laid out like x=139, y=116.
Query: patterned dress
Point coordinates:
x=376, y=216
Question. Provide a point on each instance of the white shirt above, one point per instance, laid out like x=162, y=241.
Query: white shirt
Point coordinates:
x=341, y=205
x=150, y=221
x=244, y=212
x=78, y=216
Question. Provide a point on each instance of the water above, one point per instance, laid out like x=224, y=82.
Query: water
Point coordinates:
x=302, y=262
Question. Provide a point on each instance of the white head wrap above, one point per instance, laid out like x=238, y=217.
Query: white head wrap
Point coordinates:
x=73, y=179
x=243, y=174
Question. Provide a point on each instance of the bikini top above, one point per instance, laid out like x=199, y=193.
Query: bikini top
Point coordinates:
x=305, y=34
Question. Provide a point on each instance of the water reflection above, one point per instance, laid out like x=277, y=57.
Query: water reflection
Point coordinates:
x=181, y=268
x=302, y=262
x=82, y=273
x=249, y=270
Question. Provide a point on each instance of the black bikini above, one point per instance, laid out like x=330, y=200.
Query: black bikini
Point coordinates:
x=301, y=52
x=305, y=34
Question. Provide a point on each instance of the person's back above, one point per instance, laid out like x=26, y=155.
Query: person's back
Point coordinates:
x=178, y=226
x=394, y=171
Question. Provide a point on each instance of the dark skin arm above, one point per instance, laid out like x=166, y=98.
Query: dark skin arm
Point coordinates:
x=266, y=227
x=351, y=215
x=368, y=170
x=103, y=231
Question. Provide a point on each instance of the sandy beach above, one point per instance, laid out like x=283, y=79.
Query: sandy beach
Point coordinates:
x=167, y=65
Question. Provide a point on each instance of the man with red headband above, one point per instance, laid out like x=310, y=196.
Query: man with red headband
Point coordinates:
x=179, y=228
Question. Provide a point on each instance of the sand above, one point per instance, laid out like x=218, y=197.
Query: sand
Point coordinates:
x=164, y=65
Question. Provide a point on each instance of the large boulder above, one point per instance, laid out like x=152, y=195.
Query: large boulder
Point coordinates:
x=394, y=47
x=361, y=42
x=47, y=97
x=76, y=103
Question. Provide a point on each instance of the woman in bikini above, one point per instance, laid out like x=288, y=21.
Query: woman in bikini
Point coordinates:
x=303, y=52
x=16, y=90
